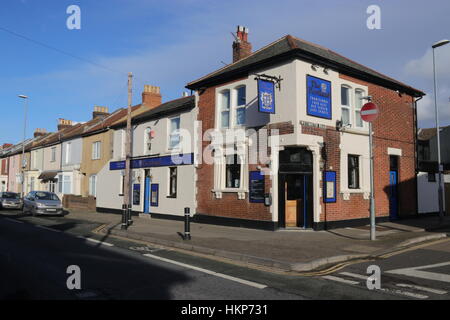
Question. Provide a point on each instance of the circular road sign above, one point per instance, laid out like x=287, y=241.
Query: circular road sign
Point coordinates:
x=369, y=112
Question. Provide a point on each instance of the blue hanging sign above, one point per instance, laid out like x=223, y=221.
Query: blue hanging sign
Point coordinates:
x=266, y=96
x=318, y=95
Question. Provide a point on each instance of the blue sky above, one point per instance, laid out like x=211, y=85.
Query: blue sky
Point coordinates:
x=169, y=43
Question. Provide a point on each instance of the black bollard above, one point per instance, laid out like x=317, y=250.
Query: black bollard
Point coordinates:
x=124, y=218
x=187, y=222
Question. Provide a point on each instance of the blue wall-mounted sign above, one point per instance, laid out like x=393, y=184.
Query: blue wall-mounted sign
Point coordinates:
x=318, y=96
x=266, y=96
x=329, y=187
x=154, y=195
x=165, y=161
x=256, y=190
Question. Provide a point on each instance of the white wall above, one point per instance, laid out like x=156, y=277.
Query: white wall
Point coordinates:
x=427, y=193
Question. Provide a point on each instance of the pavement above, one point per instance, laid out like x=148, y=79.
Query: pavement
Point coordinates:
x=283, y=250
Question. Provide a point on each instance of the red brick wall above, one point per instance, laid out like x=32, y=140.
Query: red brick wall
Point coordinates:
x=4, y=169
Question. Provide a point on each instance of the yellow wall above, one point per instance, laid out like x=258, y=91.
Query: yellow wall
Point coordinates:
x=90, y=166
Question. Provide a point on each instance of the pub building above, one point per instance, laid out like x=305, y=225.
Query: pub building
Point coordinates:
x=316, y=174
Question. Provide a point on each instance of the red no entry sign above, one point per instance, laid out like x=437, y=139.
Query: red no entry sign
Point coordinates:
x=369, y=112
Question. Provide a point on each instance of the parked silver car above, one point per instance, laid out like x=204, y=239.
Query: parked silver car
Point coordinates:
x=42, y=202
x=10, y=200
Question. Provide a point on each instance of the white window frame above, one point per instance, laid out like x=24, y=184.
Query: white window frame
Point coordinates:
x=53, y=154
x=96, y=150
x=68, y=151
x=176, y=132
x=223, y=109
x=347, y=107
x=237, y=106
x=358, y=107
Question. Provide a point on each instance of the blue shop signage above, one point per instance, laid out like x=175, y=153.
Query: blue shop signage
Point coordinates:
x=266, y=96
x=318, y=95
x=175, y=160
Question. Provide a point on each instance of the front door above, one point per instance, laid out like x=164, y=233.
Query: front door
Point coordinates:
x=297, y=199
x=393, y=195
x=147, y=195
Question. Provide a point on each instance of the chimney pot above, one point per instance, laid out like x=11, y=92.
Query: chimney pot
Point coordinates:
x=64, y=123
x=100, y=112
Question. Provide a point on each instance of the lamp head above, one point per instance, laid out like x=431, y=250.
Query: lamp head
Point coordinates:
x=440, y=43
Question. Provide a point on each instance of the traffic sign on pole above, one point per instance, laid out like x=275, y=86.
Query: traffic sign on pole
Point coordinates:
x=369, y=112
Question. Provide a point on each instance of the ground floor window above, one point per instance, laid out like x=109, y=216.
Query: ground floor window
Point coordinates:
x=51, y=186
x=353, y=171
x=233, y=171
x=65, y=184
x=173, y=182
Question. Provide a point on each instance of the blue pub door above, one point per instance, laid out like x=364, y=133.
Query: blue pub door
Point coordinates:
x=147, y=195
x=393, y=188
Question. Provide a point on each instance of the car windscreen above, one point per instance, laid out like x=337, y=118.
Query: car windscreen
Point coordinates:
x=10, y=195
x=46, y=196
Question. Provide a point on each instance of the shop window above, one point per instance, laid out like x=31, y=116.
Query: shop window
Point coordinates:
x=154, y=195
x=353, y=172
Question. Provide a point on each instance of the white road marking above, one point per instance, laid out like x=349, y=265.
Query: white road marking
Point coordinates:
x=13, y=220
x=406, y=293
x=436, y=291
x=354, y=275
x=46, y=228
x=220, y=275
x=97, y=241
x=337, y=279
x=416, y=272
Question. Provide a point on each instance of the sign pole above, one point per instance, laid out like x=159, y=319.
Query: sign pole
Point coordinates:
x=372, y=199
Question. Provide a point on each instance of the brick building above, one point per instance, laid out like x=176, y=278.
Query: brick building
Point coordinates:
x=314, y=171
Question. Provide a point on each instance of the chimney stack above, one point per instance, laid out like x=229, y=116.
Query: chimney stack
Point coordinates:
x=63, y=124
x=40, y=132
x=241, y=47
x=151, y=96
x=100, y=112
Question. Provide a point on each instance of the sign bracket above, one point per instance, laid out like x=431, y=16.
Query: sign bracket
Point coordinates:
x=276, y=80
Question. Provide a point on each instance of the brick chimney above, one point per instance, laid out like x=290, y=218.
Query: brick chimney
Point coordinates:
x=40, y=132
x=241, y=47
x=100, y=112
x=6, y=146
x=151, y=96
x=63, y=124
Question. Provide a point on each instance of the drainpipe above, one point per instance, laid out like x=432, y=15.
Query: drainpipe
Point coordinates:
x=416, y=152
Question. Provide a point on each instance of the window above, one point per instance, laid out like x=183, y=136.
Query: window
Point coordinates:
x=240, y=106
x=173, y=182
x=32, y=184
x=60, y=183
x=233, y=171
x=358, y=105
x=93, y=185
x=53, y=154
x=345, y=106
x=174, y=136
x=51, y=186
x=353, y=172
x=67, y=185
x=68, y=150
x=225, y=109
x=147, y=140
x=96, y=150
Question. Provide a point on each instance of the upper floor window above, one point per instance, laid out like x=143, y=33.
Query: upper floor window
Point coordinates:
x=96, y=150
x=359, y=94
x=68, y=151
x=225, y=109
x=147, y=140
x=345, y=105
x=53, y=157
x=174, y=133
x=240, y=106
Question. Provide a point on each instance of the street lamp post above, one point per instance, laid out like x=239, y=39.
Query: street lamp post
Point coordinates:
x=23, y=142
x=438, y=135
